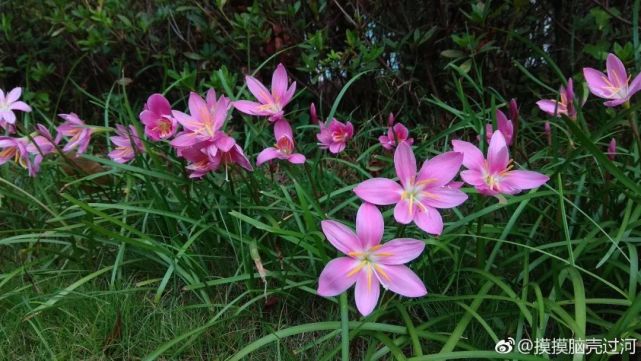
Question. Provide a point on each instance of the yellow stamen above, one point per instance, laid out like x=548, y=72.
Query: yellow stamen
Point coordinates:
x=383, y=274
x=356, y=269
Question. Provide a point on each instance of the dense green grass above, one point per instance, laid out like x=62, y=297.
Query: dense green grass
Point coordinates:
x=103, y=260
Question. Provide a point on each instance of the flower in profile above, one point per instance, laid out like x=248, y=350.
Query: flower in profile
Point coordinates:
x=495, y=176
x=75, y=128
x=313, y=115
x=8, y=104
x=157, y=119
x=547, y=129
x=368, y=263
x=505, y=126
x=16, y=149
x=41, y=145
x=269, y=104
x=284, y=147
x=203, y=124
x=127, y=142
x=334, y=135
x=615, y=86
x=420, y=193
x=565, y=105
x=612, y=149
x=396, y=133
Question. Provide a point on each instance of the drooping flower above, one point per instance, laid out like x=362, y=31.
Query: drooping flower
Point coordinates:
x=127, y=142
x=615, y=86
x=368, y=263
x=157, y=118
x=269, y=104
x=420, y=193
x=203, y=125
x=565, y=105
x=335, y=135
x=75, y=128
x=8, y=104
x=495, y=176
x=505, y=126
x=396, y=133
x=16, y=149
x=284, y=147
x=612, y=149
x=201, y=163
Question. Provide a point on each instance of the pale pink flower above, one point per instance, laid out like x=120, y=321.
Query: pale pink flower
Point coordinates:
x=420, y=193
x=612, y=149
x=396, y=133
x=127, y=142
x=369, y=264
x=8, y=104
x=505, y=126
x=75, y=128
x=565, y=105
x=157, y=119
x=16, y=149
x=41, y=145
x=201, y=162
x=284, y=147
x=495, y=176
x=270, y=104
x=203, y=125
x=335, y=135
x=615, y=86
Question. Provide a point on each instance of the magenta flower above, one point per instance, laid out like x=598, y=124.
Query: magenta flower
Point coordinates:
x=420, y=194
x=612, y=149
x=495, y=176
x=565, y=105
x=505, y=126
x=270, y=104
x=615, y=86
x=284, y=147
x=335, y=135
x=369, y=263
x=201, y=163
x=75, y=128
x=8, y=104
x=313, y=115
x=157, y=118
x=41, y=145
x=16, y=149
x=203, y=124
x=395, y=133
x=127, y=142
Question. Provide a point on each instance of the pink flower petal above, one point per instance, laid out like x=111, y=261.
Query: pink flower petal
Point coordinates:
x=158, y=104
x=404, y=211
x=597, y=82
x=21, y=106
x=14, y=95
x=267, y=154
x=369, y=225
x=498, y=156
x=337, y=276
x=224, y=141
x=379, y=191
x=296, y=158
x=251, y=108
x=283, y=128
x=399, y=251
x=472, y=156
x=441, y=169
x=635, y=85
x=616, y=71
x=444, y=197
x=258, y=89
x=341, y=237
x=198, y=109
x=505, y=126
x=336, y=148
x=473, y=177
x=429, y=220
x=210, y=97
x=551, y=107
x=367, y=291
x=8, y=116
x=524, y=179
x=279, y=83
x=405, y=164
x=400, y=279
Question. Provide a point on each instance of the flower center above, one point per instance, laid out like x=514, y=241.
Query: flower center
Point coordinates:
x=339, y=136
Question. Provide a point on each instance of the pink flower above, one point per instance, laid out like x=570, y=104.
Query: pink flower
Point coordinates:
x=369, y=263
x=16, y=149
x=156, y=116
x=547, y=129
x=284, y=147
x=615, y=86
x=335, y=135
x=203, y=124
x=495, y=176
x=127, y=142
x=565, y=105
x=75, y=128
x=513, y=110
x=8, y=104
x=612, y=149
x=420, y=194
x=270, y=104
x=395, y=133
x=505, y=126
x=313, y=116
x=201, y=163
x=41, y=145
